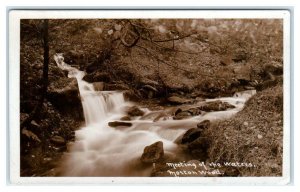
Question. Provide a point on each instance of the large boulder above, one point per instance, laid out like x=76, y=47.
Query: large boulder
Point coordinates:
x=64, y=95
x=191, y=135
x=153, y=153
x=187, y=113
x=203, y=124
x=216, y=106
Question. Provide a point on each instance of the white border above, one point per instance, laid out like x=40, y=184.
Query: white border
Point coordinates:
x=14, y=77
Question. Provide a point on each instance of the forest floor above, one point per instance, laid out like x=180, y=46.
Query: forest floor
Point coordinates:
x=152, y=60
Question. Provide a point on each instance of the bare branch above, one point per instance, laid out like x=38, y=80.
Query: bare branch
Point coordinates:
x=176, y=67
x=173, y=39
x=133, y=32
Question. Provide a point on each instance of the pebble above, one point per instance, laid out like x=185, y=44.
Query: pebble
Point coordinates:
x=110, y=32
x=259, y=136
x=246, y=123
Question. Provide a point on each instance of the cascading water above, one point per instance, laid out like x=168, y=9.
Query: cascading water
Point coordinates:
x=100, y=150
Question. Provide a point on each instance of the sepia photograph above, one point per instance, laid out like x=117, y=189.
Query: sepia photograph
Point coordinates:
x=146, y=97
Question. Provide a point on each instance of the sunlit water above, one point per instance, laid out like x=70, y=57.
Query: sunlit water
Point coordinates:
x=100, y=150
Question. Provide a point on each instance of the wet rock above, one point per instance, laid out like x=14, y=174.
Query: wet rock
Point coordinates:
x=119, y=124
x=96, y=77
x=178, y=111
x=182, y=115
x=178, y=100
x=58, y=140
x=153, y=153
x=191, y=135
x=216, y=106
x=194, y=111
x=203, y=124
x=98, y=86
x=125, y=118
x=135, y=111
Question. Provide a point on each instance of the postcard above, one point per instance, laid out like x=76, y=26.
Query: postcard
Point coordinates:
x=149, y=96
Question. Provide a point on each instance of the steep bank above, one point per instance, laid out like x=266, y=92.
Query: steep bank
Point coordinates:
x=254, y=135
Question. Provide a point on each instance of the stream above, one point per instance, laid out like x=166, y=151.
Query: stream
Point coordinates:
x=101, y=150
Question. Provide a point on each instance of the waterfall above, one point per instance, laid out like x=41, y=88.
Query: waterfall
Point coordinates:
x=96, y=105
x=100, y=150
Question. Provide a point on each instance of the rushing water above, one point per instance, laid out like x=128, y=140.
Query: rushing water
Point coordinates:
x=100, y=150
